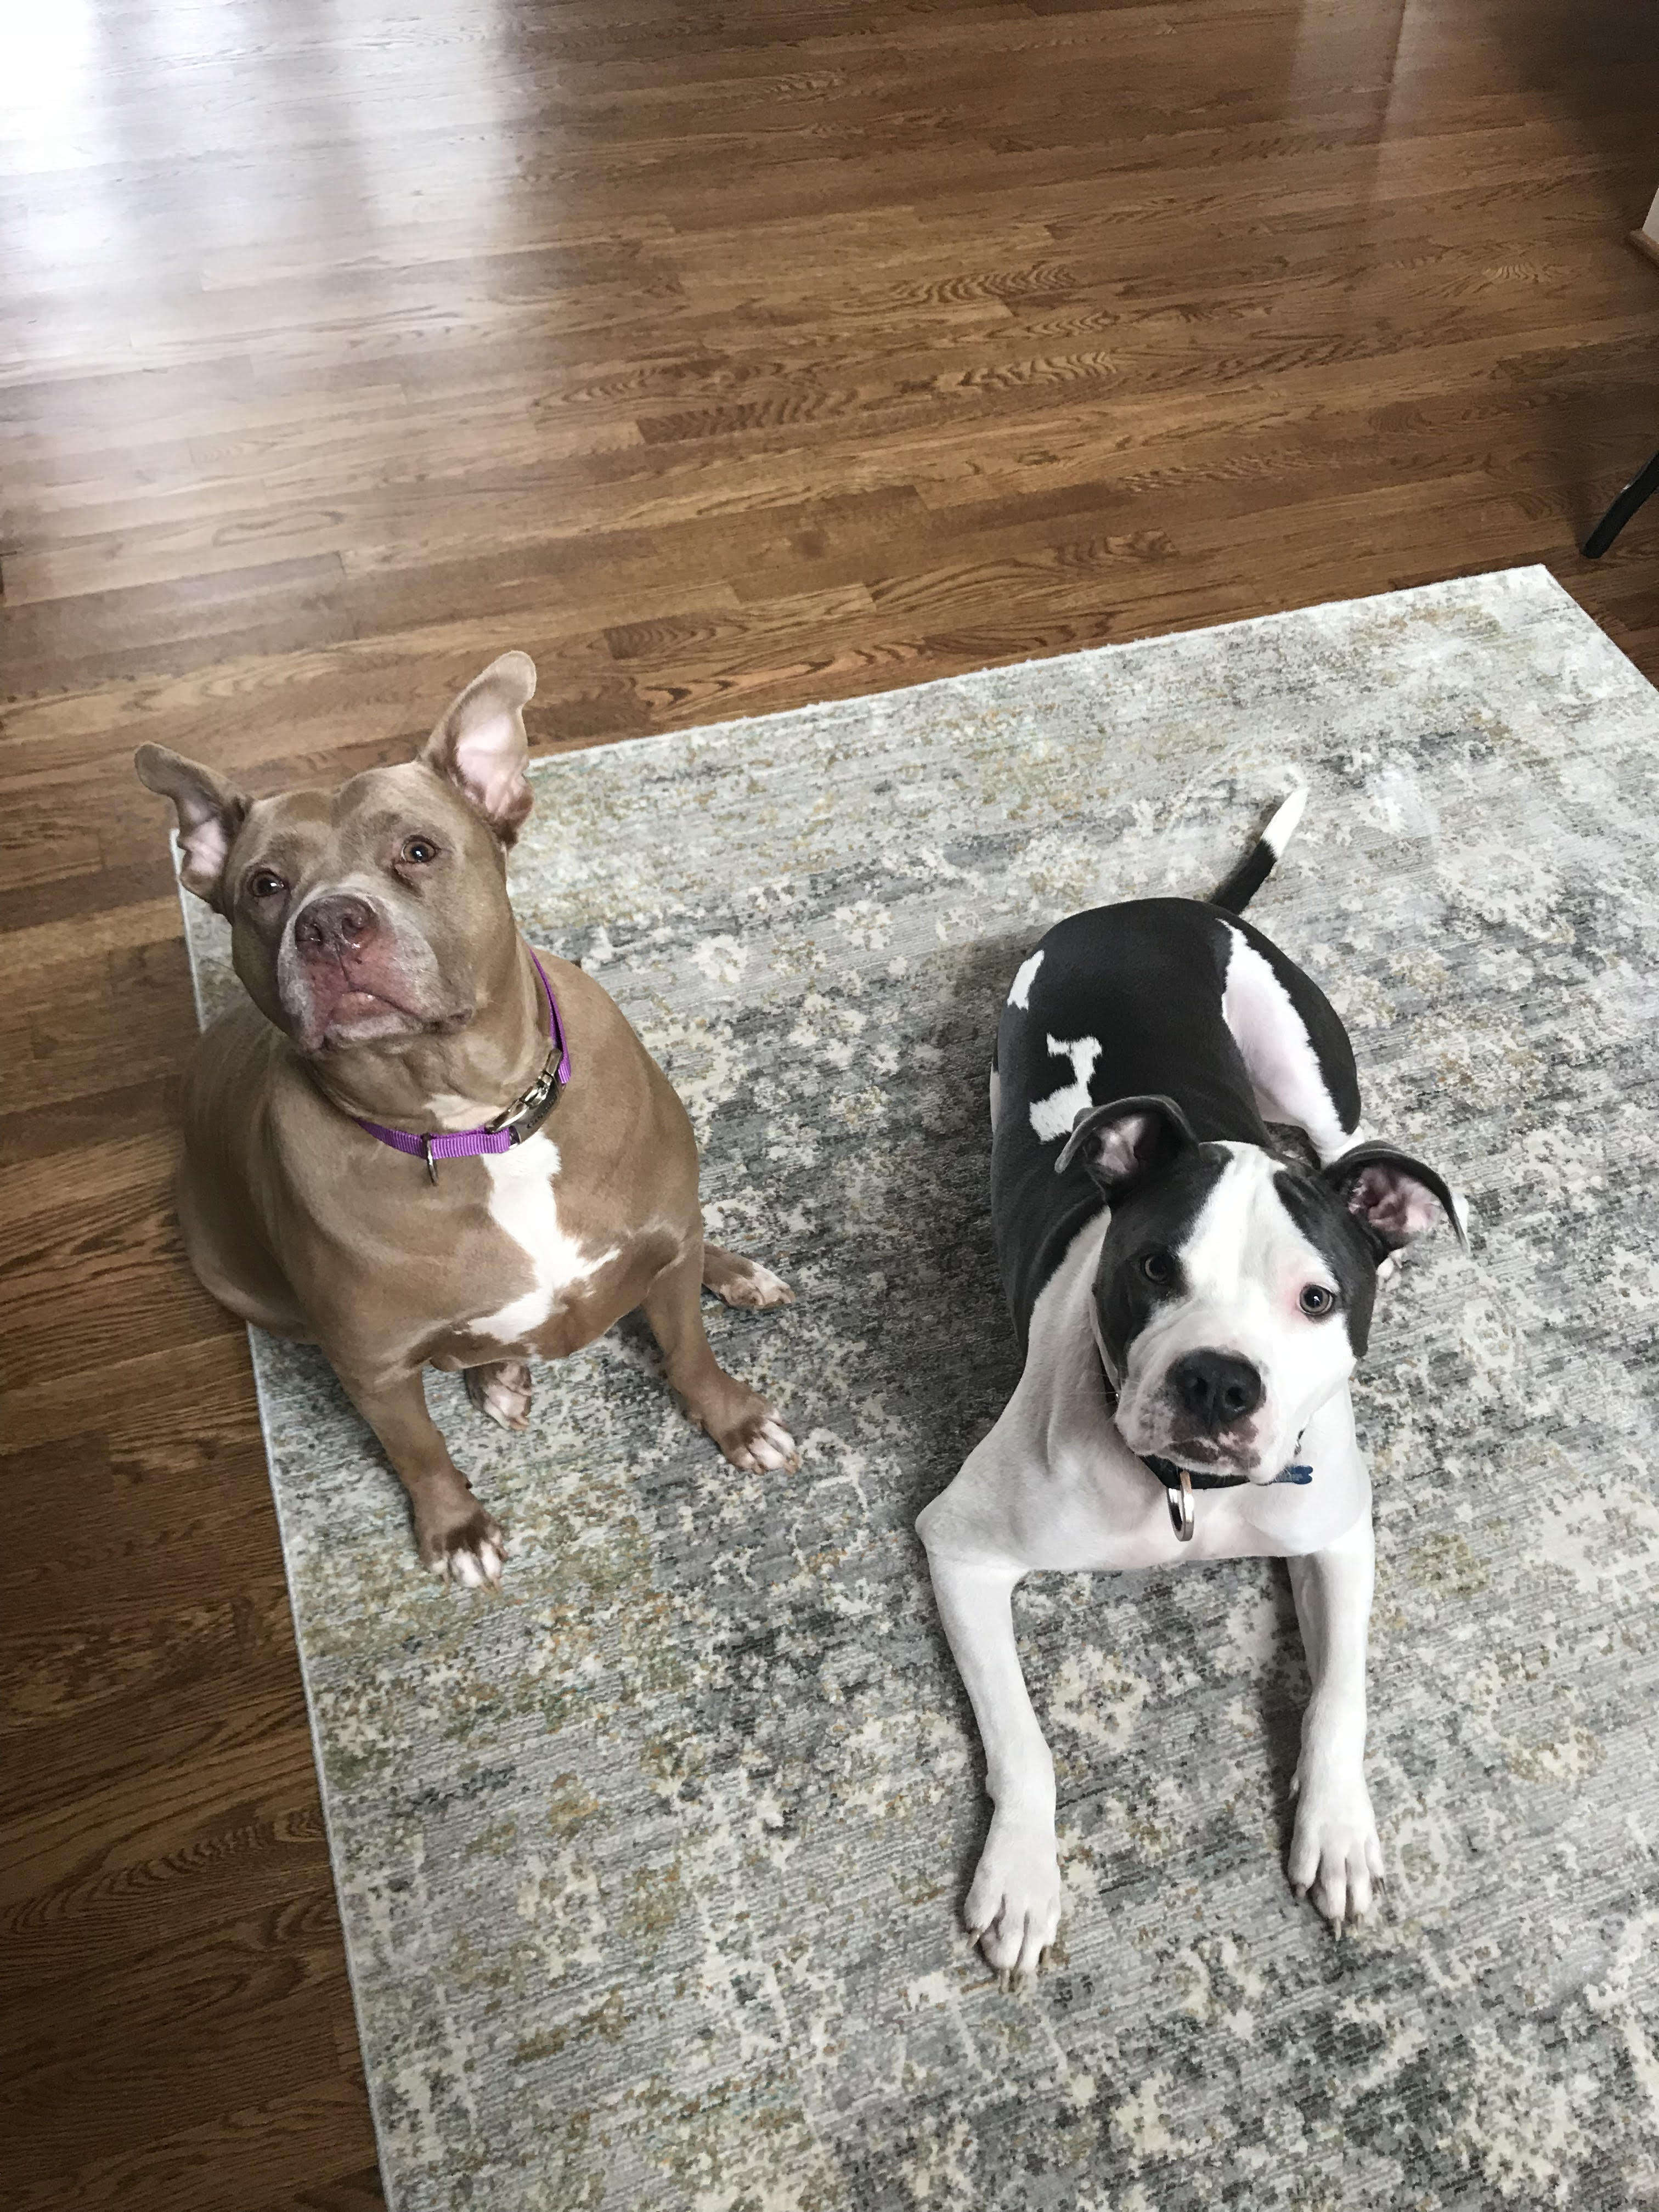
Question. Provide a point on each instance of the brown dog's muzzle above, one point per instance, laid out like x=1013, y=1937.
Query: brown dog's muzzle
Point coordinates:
x=351, y=973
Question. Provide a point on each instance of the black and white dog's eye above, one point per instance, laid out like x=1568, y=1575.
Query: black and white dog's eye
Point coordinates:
x=1158, y=1267
x=1317, y=1300
x=263, y=884
x=419, y=851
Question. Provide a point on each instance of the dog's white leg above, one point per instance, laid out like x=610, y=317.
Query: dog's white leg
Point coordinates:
x=1013, y=1907
x=1334, y=1852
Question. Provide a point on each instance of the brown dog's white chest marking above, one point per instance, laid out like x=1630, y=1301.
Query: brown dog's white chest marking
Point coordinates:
x=524, y=1206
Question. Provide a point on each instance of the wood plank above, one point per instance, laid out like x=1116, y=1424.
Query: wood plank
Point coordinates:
x=308, y=2150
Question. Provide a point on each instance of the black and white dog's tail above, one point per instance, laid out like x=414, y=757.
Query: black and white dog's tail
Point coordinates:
x=1257, y=864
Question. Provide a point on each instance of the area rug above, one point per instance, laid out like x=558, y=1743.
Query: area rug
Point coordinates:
x=651, y=1872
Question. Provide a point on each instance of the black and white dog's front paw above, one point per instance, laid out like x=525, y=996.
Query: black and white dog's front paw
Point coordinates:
x=1013, y=1907
x=1335, y=1855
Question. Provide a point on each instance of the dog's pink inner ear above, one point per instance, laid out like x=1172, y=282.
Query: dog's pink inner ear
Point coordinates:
x=1124, y=1142
x=1124, y=1149
x=1395, y=1203
x=204, y=847
x=210, y=815
x=480, y=744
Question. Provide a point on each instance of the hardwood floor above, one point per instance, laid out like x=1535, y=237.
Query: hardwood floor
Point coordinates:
x=725, y=360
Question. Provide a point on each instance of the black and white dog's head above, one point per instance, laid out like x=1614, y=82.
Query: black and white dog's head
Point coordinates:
x=1234, y=1292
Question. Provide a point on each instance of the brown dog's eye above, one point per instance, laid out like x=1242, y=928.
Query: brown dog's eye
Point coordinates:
x=1158, y=1267
x=1317, y=1301
x=263, y=884
x=418, y=851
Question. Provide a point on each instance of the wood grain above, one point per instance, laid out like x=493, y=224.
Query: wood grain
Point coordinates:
x=724, y=361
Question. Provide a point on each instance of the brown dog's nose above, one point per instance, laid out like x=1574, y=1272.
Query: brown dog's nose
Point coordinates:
x=338, y=923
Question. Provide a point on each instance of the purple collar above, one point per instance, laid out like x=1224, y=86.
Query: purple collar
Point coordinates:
x=521, y=1119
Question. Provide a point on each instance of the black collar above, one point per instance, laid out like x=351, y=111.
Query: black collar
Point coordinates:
x=1180, y=1482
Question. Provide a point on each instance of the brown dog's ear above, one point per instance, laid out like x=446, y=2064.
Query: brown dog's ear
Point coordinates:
x=210, y=815
x=480, y=745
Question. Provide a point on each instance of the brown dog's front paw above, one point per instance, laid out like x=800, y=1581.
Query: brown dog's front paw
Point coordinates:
x=466, y=1545
x=757, y=1441
x=501, y=1391
x=739, y=1282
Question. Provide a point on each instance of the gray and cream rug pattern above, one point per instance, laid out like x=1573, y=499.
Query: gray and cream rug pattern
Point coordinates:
x=651, y=1871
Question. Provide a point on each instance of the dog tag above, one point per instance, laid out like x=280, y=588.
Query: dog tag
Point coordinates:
x=1182, y=1515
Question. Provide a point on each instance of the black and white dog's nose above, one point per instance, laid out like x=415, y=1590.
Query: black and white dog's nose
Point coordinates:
x=1215, y=1388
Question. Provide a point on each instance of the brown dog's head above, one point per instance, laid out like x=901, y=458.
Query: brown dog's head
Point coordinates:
x=380, y=910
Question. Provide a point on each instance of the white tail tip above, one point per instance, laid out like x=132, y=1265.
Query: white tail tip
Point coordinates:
x=1283, y=827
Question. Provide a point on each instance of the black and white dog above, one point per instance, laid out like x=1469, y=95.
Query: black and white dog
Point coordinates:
x=1189, y=1228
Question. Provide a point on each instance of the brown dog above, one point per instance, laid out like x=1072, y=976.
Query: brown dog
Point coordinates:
x=390, y=985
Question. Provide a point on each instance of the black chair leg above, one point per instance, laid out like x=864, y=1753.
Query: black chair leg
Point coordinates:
x=1638, y=489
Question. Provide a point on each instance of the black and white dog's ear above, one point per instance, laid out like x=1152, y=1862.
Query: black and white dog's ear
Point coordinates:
x=1126, y=1143
x=1392, y=1196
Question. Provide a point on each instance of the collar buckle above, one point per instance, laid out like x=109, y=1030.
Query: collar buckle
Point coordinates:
x=532, y=1107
